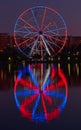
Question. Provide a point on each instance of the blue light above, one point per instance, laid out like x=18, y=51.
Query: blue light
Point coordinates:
x=19, y=75
x=57, y=29
x=38, y=7
x=35, y=107
x=33, y=78
x=25, y=32
x=17, y=102
x=63, y=104
x=55, y=94
x=26, y=92
x=62, y=20
x=46, y=84
x=35, y=18
x=39, y=117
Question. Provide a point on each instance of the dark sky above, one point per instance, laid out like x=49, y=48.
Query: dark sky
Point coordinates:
x=69, y=9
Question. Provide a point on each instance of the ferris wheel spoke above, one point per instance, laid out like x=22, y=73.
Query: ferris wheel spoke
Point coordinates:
x=35, y=107
x=19, y=44
x=52, y=43
x=27, y=84
x=35, y=19
x=49, y=45
x=48, y=98
x=27, y=40
x=45, y=85
x=53, y=25
x=53, y=72
x=28, y=29
x=63, y=104
x=50, y=88
x=20, y=28
x=28, y=24
x=55, y=94
x=33, y=78
x=54, y=30
x=59, y=40
x=26, y=92
x=52, y=34
x=43, y=19
x=51, y=38
x=59, y=84
x=27, y=102
x=47, y=26
x=55, y=45
x=44, y=106
x=46, y=80
x=45, y=45
x=28, y=46
x=34, y=45
x=28, y=33
x=48, y=29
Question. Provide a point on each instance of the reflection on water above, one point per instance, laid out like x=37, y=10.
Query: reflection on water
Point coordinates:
x=40, y=92
x=10, y=115
x=9, y=73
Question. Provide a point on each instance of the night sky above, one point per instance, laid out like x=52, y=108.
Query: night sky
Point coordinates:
x=69, y=9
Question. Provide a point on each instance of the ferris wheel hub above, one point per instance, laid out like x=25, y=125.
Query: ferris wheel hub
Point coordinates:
x=40, y=32
x=40, y=91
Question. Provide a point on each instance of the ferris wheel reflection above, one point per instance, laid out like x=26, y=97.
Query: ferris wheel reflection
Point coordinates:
x=41, y=92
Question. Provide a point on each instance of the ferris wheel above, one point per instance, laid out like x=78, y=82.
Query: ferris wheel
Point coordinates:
x=40, y=31
x=40, y=92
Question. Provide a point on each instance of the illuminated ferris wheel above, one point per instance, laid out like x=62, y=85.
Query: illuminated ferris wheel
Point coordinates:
x=40, y=92
x=40, y=31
